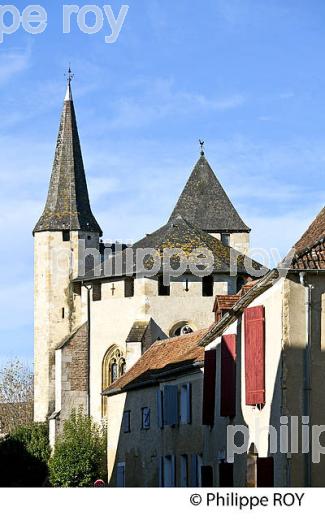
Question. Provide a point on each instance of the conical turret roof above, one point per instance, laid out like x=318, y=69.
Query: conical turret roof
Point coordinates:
x=67, y=206
x=205, y=204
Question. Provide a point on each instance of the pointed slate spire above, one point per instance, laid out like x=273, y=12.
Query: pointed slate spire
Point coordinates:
x=67, y=206
x=205, y=204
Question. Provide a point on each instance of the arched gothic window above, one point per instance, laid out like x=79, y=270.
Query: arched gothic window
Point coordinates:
x=113, y=367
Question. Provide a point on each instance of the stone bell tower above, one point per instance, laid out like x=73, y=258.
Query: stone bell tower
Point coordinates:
x=66, y=220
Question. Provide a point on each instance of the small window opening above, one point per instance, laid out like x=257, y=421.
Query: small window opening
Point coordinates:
x=97, y=292
x=66, y=236
x=207, y=286
x=225, y=239
x=63, y=313
x=163, y=290
x=129, y=287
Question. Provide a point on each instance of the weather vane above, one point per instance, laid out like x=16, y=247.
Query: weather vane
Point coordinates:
x=202, y=146
x=69, y=75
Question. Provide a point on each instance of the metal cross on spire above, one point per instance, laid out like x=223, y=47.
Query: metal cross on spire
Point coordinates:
x=69, y=75
x=202, y=146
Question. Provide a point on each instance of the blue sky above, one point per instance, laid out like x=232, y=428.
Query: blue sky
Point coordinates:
x=245, y=75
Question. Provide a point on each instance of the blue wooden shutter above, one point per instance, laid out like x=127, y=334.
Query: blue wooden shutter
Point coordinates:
x=120, y=477
x=160, y=411
x=170, y=405
x=161, y=472
x=189, y=403
x=173, y=479
x=194, y=470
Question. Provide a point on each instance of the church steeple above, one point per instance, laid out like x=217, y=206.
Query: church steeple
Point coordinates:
x=67, y=206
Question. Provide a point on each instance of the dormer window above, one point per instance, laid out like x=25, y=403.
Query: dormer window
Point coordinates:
x=225, y=239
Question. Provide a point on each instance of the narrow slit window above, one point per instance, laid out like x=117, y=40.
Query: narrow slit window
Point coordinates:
x=65, y=236
x=163, y=290
x=129, y=287
x=63, y=313
x=207, y=286
x=97, y=292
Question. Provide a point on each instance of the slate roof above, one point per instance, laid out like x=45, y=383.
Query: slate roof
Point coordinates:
x=180, y=234
x=67, y=206
x=205, y=204
x=162, y=356
x=137, y=331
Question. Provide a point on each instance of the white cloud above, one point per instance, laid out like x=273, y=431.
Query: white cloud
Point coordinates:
x=13, y=62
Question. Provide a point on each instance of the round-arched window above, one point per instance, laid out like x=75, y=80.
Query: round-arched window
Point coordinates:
x=113, y=367
x=181, y=328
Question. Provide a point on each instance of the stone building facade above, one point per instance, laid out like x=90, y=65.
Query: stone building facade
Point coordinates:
x=90, y=326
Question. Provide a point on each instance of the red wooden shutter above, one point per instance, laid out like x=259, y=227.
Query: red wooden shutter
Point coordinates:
x=209, y=387
x=228, y=376
x=254, y=355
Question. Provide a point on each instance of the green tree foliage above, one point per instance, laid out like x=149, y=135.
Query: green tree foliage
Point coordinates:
x=80, y=453
x=23, y=456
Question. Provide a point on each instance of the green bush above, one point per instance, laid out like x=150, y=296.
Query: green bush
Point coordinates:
x=23, y=456
x=80, y=453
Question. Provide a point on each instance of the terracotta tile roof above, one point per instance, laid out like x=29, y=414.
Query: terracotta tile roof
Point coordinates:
x=163, y=355
x=313, y=234
x=225, y=302
x=310, y=248
x=312, y=258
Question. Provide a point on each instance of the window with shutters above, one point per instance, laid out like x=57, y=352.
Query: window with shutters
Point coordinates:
x=255, y=355
x=209, y=387
x=228, y=376
x=170, y=408
x=186, y=404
